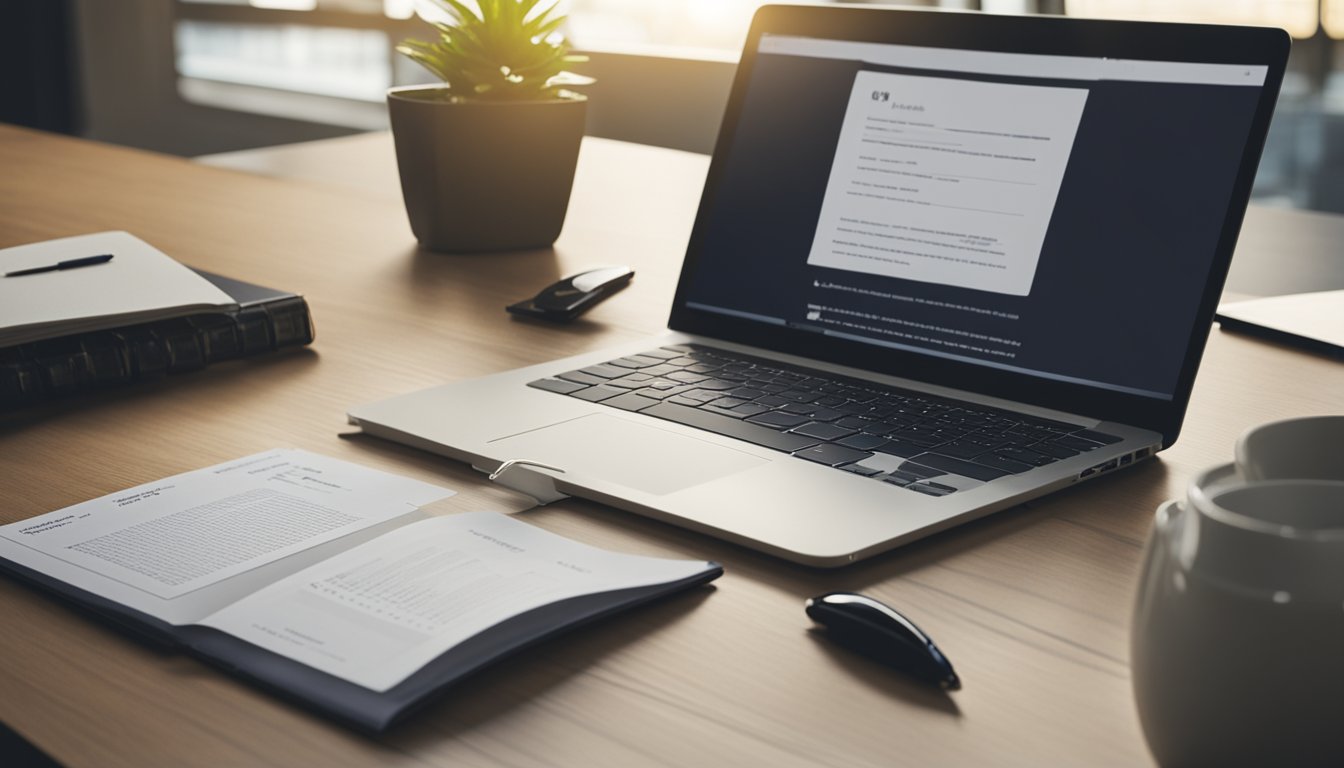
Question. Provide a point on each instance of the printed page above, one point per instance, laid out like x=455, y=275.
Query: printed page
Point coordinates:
x=376, y=613
x=160, y=542
x=946, y=181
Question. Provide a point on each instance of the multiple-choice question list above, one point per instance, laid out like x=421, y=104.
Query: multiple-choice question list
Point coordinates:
x=946, y=181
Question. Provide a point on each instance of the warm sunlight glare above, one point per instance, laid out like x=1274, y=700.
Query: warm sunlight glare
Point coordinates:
x=1298, y=17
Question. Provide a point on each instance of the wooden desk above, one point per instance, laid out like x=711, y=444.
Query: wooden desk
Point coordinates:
x=1032, y=604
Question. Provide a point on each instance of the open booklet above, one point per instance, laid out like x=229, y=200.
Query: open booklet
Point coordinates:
x=323, y=581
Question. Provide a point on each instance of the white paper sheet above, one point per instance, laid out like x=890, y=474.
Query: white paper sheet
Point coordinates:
x=161, y=541
x=946, y=181
x=1317, y=316
x=376, y=613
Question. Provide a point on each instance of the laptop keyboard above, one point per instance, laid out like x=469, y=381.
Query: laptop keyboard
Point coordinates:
x=829, y=419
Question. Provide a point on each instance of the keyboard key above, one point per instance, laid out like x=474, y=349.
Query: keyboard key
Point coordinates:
x=579, y=377
x=831, y=455
x=660, y=370
x=727, y=402
x=1044, y=423
x=730, y=427
x=826, y=414
x=1031, y=433
x=902, y=448
x=771, y=401
x=686, y=377
x=631, y=381
x=634, y=361
x=1054, y=450
x=604, y=371
x=823, y=431
x=999, y=462
x=557, y=385
x=966, y=449
x=960, y=467
x=919, y=470
x=1026, y=456
x=855, y=422
x=902, y=478
x=749, y=409
x=745, y=393
x=598, y=394
x=862, y=442
x=631, y=402
x=701, y=395
x=718, y=384
x=859, y=469
x=662, y=354
x=802, y=409
x=921, y=432
x=779, y=420
x=679, y=400
x=657, y=394
x=1069, y=441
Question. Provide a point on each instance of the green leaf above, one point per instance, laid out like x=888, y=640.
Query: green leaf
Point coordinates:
x=502, y=50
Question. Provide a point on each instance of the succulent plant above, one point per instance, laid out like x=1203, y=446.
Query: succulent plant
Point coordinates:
x=501, y=50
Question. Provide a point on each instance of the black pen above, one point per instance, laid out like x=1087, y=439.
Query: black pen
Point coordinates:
x=880, y=632
x=87, y=261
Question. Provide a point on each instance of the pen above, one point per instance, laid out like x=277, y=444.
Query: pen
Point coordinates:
x=880, y=632
x=87, y=261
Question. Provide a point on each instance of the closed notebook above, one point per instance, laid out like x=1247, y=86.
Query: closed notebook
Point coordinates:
x=139, y=284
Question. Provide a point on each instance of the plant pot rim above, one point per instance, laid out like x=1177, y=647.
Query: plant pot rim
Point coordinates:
x=403, y=93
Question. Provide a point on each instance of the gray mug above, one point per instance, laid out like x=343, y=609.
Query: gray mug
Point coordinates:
x=1237, y=640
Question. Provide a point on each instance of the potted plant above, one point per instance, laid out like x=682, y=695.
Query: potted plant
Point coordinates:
x=487, y=156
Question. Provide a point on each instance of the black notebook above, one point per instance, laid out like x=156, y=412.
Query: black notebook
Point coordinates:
x=73, y=337
x=322, y=582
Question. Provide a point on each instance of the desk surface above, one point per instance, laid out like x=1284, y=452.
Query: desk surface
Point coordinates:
x=1032, y=604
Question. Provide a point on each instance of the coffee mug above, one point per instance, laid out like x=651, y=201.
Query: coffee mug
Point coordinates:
x=1311, y=447
x=1237, y=642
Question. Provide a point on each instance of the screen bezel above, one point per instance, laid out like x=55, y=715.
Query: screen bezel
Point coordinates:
x=1009, y=34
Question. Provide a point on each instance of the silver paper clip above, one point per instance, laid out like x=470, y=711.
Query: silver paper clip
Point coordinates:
x=535, y=484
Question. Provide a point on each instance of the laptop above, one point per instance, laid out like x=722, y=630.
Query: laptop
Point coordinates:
x=944, y=263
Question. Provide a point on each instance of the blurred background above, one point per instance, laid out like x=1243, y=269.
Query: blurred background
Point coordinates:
x=194, y=77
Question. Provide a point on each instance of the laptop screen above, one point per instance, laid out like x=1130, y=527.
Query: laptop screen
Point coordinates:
x=1051, y=216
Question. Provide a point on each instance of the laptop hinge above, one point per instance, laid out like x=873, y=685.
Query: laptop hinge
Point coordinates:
x=511, y=474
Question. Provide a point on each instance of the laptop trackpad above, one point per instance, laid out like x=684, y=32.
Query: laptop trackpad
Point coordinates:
x=643, y=457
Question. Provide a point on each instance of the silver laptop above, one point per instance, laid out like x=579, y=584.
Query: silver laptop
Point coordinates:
x=944, y=263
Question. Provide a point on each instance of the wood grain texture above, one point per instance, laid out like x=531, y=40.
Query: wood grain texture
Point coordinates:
x=1032, y=604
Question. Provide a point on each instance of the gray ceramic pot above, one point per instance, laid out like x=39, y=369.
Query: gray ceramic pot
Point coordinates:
x=485, y=176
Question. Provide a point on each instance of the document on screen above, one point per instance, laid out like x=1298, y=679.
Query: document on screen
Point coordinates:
x=946, y=181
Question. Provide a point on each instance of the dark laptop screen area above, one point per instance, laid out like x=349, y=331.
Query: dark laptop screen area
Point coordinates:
x=1053, y=216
